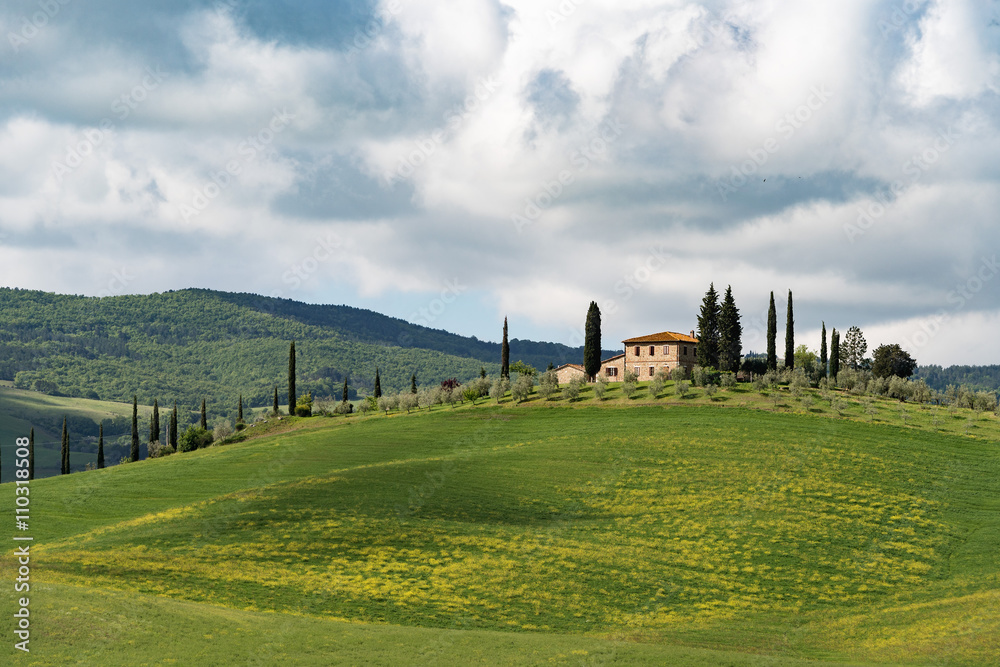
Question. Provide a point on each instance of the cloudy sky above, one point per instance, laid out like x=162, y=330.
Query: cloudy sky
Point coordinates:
x=452, y=162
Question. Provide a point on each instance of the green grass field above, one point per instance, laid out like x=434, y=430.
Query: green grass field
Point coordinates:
x=680, y=532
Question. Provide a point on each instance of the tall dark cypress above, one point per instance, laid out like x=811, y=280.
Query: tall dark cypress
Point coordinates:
x=239, y=411
x=100, y=447
x=413, y=383
x=292, y=399
x=344, y=394
x=834, y=354
x=772, y=333
x=156, y=420
x=31, y=453
x=789, y=335
x=505, y=353
x=708, y=329
x=592, y=342
x=822, y=353
x=65, y=449
x=173, y=427
x=134, y=454
x=730, y=334
x=378, y=384
x=204, y=416
x=275, y=409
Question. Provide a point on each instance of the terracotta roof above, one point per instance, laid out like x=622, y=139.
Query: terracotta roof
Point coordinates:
x=578, y=367
x=663, y=337
x=617, y=356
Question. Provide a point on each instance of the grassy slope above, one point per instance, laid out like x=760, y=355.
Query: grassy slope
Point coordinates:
x=788, y=535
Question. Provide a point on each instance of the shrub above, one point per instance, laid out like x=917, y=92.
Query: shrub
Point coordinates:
x=345, y=408
x=386, y=403
x=522, y=388
x=682, y=388
x=364, y=407
x=470, y=393
x=222, y=429
x=807, y=401
x=656, y=384
x=408, y=400
x=727, y=380
x=499, y=388
x=158, y=450
x=548, y=384
x=799, y=380
x=899, y=388
x=710, y=389
x=304, y=406
x=194, y=437
x=600, y=387
x=678, y=373
x=572, y=390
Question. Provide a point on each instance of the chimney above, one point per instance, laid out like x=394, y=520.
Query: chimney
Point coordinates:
x=692, y=333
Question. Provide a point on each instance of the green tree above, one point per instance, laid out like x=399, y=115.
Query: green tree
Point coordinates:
x=239, y=411
x=730, y=334
x=377, y=393
x=100, y=447
x=65, y=449
x=892, y=360
x=505, y=353
x=413, y=382
x=194, y=438
x=522, y=368
x=204, y=416
x=708, y=329
x=822, y=354
x=31, y=453
x=789, y=335
x=291, y=379
x=134, y=454
x=772, y=334
x=173, y=427
x=592, y=342
x=154, y=422
x=276, y=409
x=834, y=354
x=852, y=350
x=482, y=372
x=344, y=393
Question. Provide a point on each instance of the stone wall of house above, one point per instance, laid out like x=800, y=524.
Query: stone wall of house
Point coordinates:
x=566, y=373
x=647, y=358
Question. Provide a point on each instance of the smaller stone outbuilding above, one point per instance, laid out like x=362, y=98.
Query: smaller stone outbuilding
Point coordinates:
x=613, y=368
x=567, y=372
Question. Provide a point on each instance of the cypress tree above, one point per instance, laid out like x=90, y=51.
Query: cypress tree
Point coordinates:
x=275, y=408
x=592, y=342
x=708, y=329
x=154, y=423
x=291, y=379
x=31, y=453
x=173, y=427
x=344, y=395
x=204, y=416
x=482, y=372
x=772, y=332
x=100, y=448
x=789, y=335
x=822, y=353
x=134, y=454
x=413, y=383
x=834, y=354
x=65, y=449
x=730, y=334
x=239, y=411
x=505, y=353
x=378, y=385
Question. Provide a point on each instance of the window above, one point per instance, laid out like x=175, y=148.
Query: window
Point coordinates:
x=637, y=350
x=652, y=371
x=666, y=350
x=652, y=350
x=685, y=350
x=612, y=371
x=694, y=350
x=635, y=369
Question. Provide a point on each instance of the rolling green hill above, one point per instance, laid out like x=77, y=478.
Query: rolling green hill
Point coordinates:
x=540, y=533
x=195, y=344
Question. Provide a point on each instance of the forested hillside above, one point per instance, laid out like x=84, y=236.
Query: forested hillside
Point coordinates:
x=193, y=344
x=976, y=377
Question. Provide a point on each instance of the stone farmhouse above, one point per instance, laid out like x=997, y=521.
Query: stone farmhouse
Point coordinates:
x=643, y=356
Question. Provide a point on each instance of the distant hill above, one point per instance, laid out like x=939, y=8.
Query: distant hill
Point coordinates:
x=192, y=344
x=977, y=377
